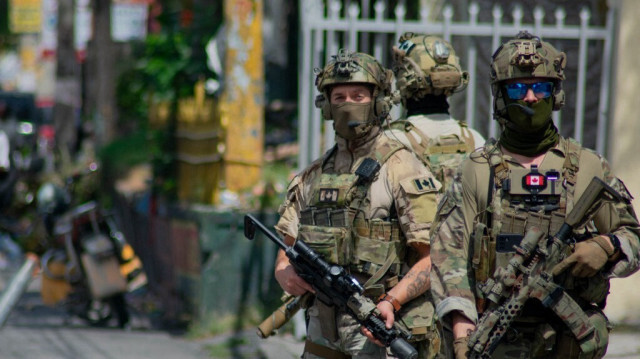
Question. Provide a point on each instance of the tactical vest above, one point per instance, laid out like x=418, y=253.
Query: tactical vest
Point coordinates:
x=442, y=154
x=515, y=204
x=335, y=222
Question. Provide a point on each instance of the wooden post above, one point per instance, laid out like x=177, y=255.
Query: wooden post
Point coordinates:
x=242, y=102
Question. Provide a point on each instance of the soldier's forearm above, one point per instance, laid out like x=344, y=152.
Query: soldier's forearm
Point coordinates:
x=461, y=325
x=416, y=281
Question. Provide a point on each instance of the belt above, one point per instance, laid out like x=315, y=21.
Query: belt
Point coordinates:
x=324, y=352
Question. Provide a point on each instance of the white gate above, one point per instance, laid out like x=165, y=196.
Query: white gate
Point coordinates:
x=372, y=27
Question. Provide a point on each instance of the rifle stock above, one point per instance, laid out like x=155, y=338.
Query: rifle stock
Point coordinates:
x=281, y=316
x=335, y=287
x=529, y=275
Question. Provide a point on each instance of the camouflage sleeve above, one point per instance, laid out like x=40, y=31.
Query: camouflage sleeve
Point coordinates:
x=289, y=211
x=620, y=220
x=617, y=218
x=451, y=272
x=627, y=232
x=415, y=191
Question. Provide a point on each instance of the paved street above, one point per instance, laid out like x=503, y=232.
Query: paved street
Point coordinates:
x=34, y=331
x=624, y=345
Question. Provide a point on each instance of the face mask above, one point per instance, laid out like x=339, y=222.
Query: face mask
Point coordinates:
x=351, y=120
x=526, y=124
x=530, y=136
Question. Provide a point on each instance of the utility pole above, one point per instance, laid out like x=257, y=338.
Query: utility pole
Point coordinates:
x=101, y=76
x=68, y=96
x=242, y=102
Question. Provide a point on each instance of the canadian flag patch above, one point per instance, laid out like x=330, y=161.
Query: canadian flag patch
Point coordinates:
x=535, y=180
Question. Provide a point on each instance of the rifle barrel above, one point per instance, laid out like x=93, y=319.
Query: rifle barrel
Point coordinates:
x=250, y=222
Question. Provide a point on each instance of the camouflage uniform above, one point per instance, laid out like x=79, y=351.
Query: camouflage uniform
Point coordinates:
x=479, y=207
x=427, y=72
x=454, y=247
x=374, y=240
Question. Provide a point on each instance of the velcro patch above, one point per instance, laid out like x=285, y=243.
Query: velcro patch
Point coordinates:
x=419, y=185
x=328, y=195
x=424, y=184
x=407, y=46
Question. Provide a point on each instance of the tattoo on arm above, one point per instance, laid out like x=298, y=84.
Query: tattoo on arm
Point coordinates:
x=418, y=282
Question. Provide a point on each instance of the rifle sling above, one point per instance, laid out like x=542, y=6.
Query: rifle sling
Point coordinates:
x=382, y=271
x=323, y=352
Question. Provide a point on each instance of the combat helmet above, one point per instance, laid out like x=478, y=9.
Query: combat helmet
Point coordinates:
x=427, y=64
x=526, y=56
x=354, y=68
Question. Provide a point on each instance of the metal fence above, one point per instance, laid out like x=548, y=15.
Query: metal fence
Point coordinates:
x=374, y=27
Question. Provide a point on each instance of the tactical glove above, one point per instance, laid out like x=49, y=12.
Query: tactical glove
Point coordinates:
x=461, y=347
x=588, y=258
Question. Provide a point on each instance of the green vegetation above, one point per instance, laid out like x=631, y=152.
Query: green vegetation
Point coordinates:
x=168, y=65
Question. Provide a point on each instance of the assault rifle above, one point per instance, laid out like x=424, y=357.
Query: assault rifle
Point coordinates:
x=529, y=274
x=335, y=287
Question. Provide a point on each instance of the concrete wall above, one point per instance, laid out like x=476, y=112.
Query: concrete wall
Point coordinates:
x=624, y=301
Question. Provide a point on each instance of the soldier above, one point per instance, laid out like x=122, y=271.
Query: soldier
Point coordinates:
x=428, y=71
x=367, y=204
x=488, y=208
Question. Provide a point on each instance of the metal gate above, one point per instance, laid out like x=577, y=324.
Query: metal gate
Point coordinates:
x=374, y=27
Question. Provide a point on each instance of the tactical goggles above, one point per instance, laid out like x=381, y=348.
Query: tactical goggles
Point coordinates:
x=518, y=90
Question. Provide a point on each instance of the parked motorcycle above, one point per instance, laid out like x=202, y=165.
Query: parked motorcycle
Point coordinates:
x=90, y=266
x=19, y=180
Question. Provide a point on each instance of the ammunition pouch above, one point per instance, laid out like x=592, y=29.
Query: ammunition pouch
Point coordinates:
x=366, y=248
x=376, y=241
x=418, y=318
x=332, y=243
x=326, y=217
x=483, y=259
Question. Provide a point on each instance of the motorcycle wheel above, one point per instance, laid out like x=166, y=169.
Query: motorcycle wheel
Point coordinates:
x=98, y=312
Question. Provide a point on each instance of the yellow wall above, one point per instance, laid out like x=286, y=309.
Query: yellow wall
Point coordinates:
x=624, y=302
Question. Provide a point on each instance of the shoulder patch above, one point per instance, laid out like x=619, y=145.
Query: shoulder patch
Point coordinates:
x=420, y=184
x=407, y=46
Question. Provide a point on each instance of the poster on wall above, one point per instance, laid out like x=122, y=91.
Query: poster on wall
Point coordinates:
x=129, y=20
x=25, y=16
